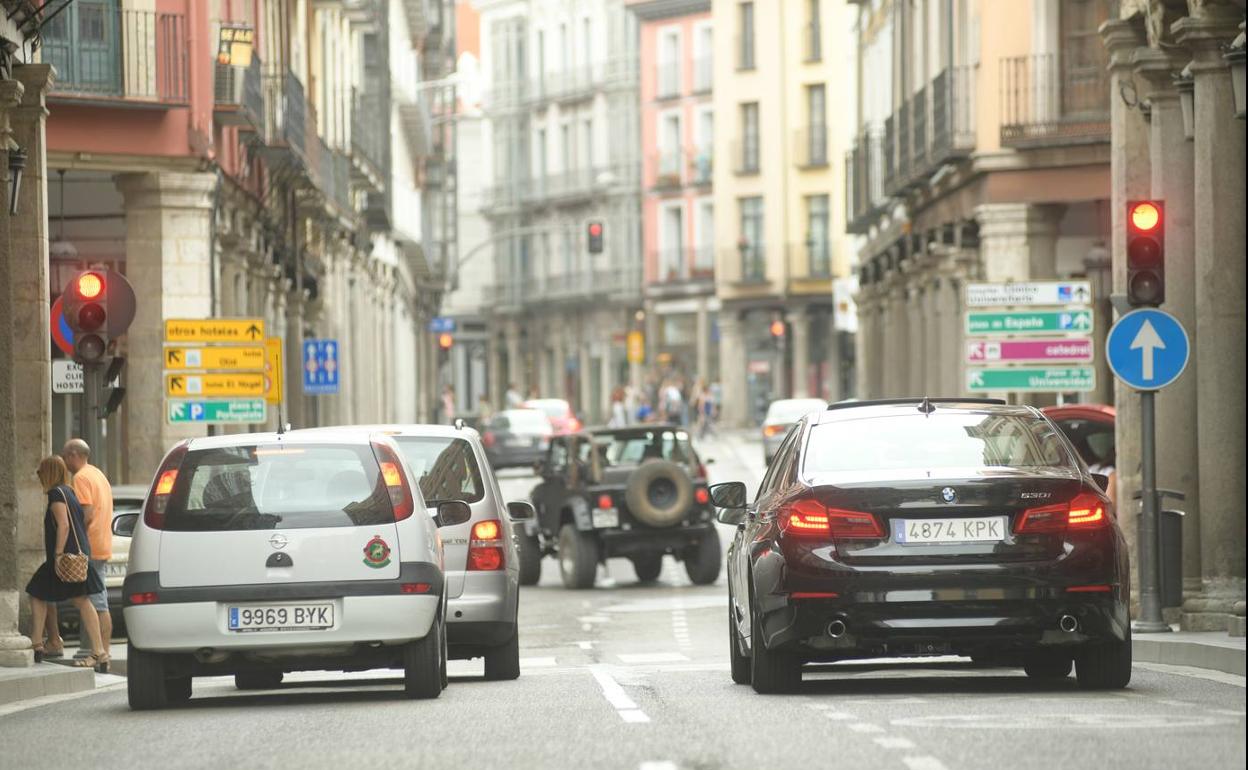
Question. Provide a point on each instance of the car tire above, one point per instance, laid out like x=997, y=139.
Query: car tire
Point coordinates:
x=530, y=549
x=704, y=560
x=648, y=566
x=422, y=664
x=1047, y=665
x=178, y=689
x=578, y=557
x=740, y=663
x=503, y=662
x=771, y=671
x=1105, y=666
x=145, y=680
x=258, y=680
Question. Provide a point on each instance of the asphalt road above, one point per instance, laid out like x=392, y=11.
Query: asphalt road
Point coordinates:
x=635, y=677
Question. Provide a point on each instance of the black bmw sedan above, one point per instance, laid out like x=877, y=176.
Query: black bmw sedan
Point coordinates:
x=924, y=527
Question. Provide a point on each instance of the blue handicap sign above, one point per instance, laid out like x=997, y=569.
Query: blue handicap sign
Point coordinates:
x=320, y=367
x=1147, y=349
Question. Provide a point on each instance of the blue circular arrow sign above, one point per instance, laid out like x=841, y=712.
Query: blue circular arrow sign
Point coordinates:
x=1147, y=349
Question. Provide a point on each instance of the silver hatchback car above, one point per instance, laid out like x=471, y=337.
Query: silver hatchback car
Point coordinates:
x=481, y=560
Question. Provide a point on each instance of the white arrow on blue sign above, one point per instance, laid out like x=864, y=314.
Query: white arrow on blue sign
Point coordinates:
x=1147, y=349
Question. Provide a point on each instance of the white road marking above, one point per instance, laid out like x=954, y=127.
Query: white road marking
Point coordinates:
x=923, y=763
x=634, y=716
x=586, y=627
x=1228, y=712
x=594, y=619
x=585, y=645
x=663, y=765
x=1195, y=673
x=839, y=716
x=865, y=727
x=611, y=689
x=536, y=662
x=652, y=657
x=894, y=742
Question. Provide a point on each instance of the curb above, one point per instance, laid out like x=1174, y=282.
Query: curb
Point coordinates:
x=1213, y=657
x=44, y=679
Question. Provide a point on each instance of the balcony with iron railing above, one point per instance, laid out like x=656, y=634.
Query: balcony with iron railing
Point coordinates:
x=369, y=130
x=105, y=53
x=889, y=148
x=745, y=157
x=286, y=112
x=579, y=83
x=667, y=170
x=810, y=146
x=903, y=145
x=679, y=269
x=864, y=182
x=752, y=257
x=816, y=253
x=701, y=166
x=1049, y=99
x=919, y=139
x=238, y=95
x=953, y=114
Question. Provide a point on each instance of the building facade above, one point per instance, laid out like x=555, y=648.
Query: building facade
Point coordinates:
x=677, y=172
x=778, y=99
x=561, y=135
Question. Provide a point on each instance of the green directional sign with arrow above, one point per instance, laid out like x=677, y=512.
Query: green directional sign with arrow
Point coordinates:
x=1006, y=322
x=241, y=411
x=1031, y=379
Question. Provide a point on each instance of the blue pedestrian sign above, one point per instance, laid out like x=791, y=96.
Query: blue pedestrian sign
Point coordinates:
x=1147, y=349
x=441, y=325
x=320, y=367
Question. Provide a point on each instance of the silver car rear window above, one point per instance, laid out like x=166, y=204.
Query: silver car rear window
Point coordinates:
x=446, y=468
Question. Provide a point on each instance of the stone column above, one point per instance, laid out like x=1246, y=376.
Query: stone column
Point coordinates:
x=896, y=377
x=732, y=362
x=1018, y=241
x=918, y=361
x=799, y=323
x=515, y=365
x=1220, y=321
x=25, y=387
x=703, y=343
x=1130, y=178
x=167, y=235
x=864, y=352
x=1171, y=160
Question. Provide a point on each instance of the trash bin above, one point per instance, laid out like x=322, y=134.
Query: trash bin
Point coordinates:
x=1170, y=551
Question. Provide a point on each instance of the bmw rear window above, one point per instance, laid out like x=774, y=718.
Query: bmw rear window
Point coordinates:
x=278, y=487
x=941, y=440
x=446, y=468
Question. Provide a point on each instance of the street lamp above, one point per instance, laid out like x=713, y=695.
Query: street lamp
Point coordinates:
x=1186, y=86
x=17, y=164
x=1234, y=54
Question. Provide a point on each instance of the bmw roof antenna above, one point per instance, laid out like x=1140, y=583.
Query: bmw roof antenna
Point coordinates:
x=459, y=423
x=927, y=407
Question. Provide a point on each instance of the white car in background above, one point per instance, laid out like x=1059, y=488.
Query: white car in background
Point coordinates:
x=262, y=553
x=780, y=417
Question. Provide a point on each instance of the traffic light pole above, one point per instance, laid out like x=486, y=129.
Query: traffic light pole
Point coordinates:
x=1150, y=620
x=89, y=426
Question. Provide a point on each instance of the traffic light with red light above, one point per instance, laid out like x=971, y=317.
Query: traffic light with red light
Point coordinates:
x=1146, y=253
x=445, y=341
x=594, y=231
x=777, y=328
x=98, y=304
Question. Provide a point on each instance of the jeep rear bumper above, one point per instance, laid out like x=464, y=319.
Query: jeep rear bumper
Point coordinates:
x=643, y=540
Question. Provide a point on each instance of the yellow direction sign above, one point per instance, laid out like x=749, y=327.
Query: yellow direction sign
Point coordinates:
x=273, y=368
x=238, y=330
x=214, y=385
x=636, y=348
x=249, y=358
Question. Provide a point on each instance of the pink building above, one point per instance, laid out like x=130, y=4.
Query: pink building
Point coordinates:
x=677, y=128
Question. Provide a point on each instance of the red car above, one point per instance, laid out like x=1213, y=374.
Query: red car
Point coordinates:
x=560, y=413
x=1090, y=427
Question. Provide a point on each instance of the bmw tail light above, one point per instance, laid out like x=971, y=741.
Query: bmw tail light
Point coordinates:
x=162, y=487
x=485, y=546
x=1085, y=511
x=395, y=479
x=813, y=518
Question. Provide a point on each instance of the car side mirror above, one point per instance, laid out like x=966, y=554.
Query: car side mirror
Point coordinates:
x=124, y=524
x=1102, y=481
x=520, y=510
x=730, y=494
x=452, y=512
x=732, y=516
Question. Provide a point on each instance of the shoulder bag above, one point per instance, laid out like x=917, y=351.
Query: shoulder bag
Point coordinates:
x=71, y=567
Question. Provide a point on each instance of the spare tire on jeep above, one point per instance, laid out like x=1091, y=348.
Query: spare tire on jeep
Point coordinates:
x=659, y=493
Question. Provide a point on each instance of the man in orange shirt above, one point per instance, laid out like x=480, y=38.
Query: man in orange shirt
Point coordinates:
x=95, y=495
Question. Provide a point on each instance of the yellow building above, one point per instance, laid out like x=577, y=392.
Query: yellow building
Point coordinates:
x=782, y=77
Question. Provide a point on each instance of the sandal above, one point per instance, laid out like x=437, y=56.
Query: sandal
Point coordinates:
x=54, y=652
x=40, y=654
x=98, y=662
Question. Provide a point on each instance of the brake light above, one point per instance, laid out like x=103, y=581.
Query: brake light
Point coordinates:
x=814, y=595
x=488, y=439
x=701, y=495
x=1085, y=511
x=485, y=546
x=162, y=487
x=1096, y=589
x=773, y=430
x=604, y=501
x=415, y=588
x=392, y=476
x=573, y=425
x=813, y=518
x=148, y=597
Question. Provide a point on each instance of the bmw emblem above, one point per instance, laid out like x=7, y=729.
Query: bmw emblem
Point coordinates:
x=949, y=495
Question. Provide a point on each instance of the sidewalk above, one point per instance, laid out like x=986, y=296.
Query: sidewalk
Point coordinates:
x=19, y=684
x=1212, y=650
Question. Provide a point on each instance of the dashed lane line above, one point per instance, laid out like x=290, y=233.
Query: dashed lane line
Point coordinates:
x=865, y=727
x=652, y=657
x=628, y=710
x=893, y=742
x=923, y=763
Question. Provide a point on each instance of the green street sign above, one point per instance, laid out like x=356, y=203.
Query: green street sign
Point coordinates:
x=235, y=411
x=1031, y=379
x=1029, y=322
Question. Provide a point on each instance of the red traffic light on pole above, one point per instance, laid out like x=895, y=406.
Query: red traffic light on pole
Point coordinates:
x=98, y=304
x=594, y=231
x=445, y=341
x=1146, y=253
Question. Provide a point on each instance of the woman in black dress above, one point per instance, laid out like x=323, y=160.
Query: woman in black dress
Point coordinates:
x=64, y=531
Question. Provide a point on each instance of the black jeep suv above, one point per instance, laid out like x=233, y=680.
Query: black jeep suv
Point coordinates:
x=637, y=492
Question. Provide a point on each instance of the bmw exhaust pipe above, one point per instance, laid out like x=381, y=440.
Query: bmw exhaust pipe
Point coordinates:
x=1068, y=623
x=836, y=629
